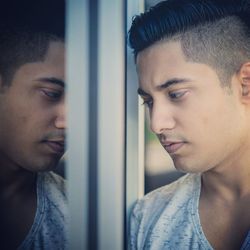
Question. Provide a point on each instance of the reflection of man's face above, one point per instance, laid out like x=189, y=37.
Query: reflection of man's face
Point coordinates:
x=32, y=114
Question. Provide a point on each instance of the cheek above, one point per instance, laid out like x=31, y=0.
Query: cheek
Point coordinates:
x=217, y=127
x=23, y=119
x=22, y=125
x=205, y=123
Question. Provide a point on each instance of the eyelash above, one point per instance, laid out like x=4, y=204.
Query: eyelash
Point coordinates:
x=148, y=103
x=52, y=95
x=174, y=96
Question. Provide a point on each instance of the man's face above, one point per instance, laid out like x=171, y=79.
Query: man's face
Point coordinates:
x=198, y=122
x=32, y=114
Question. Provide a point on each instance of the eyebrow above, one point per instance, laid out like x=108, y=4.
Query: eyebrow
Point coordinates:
x=141, y=92
x=52, y=80
x=165, y=85
x=172, y=82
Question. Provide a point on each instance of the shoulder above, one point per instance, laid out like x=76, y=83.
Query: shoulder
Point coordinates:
x=52, y=189
x=54, y=228
x=50, y=227
x=177, y=192
x=162, y=211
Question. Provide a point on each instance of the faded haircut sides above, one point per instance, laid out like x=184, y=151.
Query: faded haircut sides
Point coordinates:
x=216, y=33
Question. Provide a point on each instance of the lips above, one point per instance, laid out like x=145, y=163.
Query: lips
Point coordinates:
x=173, y=147
x=56, y=146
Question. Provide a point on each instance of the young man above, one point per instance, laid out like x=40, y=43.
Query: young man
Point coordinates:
x=33, y=213
x=193, y=64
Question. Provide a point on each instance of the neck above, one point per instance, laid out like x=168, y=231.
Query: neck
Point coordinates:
x=14, y=179
x=18, y=203
x=229, y=181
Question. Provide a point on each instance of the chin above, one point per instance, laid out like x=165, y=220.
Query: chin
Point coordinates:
x=186, y=166
x=43, y=166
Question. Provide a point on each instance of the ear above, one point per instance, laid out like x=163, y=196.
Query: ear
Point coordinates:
x=244, y=80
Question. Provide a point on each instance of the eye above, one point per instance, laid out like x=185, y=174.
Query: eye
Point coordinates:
x=52, y=94
x=175, y=95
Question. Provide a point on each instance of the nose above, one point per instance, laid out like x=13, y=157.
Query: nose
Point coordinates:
x=161, y=119
x=60, y=120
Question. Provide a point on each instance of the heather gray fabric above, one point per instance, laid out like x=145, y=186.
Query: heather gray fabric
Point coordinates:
x=50, y=228
x=168, y=218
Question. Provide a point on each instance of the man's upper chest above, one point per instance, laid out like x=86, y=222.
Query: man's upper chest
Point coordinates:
x=225, y=225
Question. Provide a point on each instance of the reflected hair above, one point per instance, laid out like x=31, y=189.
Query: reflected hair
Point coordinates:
x=213, y=32
x=26, y=30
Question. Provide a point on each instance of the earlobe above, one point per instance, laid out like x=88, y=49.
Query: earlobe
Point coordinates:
x=244, y=78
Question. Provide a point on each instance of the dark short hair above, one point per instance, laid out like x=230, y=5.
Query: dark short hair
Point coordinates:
x=215, y=32
x=26, y=29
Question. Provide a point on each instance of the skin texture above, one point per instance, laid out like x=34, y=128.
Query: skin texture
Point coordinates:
x=32, y=131
x=31, y=111
x=205, y=128
x=197, y=112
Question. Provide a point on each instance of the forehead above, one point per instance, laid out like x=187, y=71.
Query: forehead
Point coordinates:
x=165, y=62
x=159, y=60
x=53, y=65
x=55, y=53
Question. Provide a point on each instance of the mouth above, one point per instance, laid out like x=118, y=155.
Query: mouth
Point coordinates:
x=173, y=147
x=57, y=146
